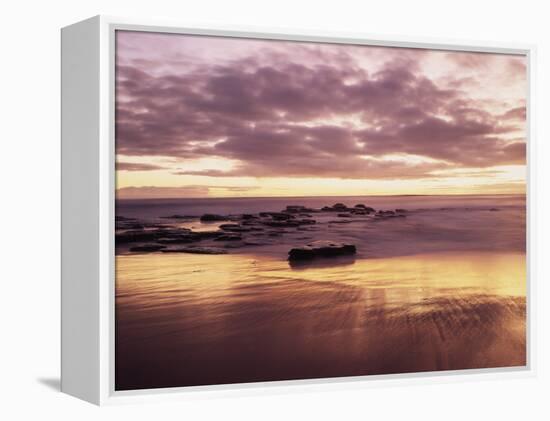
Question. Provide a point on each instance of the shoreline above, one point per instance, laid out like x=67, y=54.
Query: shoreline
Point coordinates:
x=238, y=319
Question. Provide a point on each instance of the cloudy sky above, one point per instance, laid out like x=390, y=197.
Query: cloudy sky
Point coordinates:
x=208, y=116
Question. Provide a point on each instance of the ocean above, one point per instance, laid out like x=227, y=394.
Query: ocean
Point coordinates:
x=443, y=288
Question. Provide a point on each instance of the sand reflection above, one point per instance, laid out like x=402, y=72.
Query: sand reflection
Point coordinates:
x=191, y=320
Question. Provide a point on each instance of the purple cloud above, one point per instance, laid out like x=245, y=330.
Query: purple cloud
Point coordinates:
x=132, y=166
x=277, y=115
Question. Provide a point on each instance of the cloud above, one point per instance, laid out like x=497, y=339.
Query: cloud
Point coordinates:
x=278, y=114
x=155, y=192
x=132, y=166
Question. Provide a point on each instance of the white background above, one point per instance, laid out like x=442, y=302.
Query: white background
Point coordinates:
x=30, y=161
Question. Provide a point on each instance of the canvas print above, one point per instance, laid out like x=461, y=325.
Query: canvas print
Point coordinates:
x=299, y=210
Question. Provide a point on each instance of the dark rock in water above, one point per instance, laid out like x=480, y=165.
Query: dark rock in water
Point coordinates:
x=281, y=216
x=278, y=216
x=147, y=247
x=181, y=238
x=195, y=250
x=344, y=215
x=248, y=216
x=339, y=206
x=205, y=235
x=256, y=243
x=164, y=236
x=228, y=237
x=183, y=235
x=401, y=210
x=364, y=207
x=134, y=236
x=385, y=213
x=493, y=210
x=321, y=249
x=178, y=240
x=235, y=228
x=341, y=221
x=281, y=224
x=210, y=217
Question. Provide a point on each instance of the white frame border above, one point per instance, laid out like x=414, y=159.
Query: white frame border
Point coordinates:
x=107, y=395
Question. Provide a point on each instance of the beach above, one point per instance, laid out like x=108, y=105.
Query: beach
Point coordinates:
x=441, y=288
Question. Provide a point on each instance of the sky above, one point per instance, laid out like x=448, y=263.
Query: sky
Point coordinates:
x=201, y=116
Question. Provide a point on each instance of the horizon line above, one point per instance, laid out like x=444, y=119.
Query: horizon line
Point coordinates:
x=321, y=196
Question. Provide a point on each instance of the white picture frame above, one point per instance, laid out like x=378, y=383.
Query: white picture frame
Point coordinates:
x=88, y=185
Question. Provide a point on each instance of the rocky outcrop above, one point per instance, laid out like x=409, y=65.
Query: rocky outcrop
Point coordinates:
x=195, y=250
x=228, y=237
x=321, y=248
x=363, y=207
x=211, y=217
x=147, y=248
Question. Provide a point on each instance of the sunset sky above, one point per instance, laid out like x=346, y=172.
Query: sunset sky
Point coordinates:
x=206, y=116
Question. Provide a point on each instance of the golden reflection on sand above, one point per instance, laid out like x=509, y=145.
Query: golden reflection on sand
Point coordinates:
x=203, y=319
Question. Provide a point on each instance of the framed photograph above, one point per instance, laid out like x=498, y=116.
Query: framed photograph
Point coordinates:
x=245, y=209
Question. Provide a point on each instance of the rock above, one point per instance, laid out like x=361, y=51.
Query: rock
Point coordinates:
x=135, y=236
x=248, y=216
x=344, y=215
x=281, y=216
x=205, y=235
x=493, y=210
x=321, y=249
x=297, y=209
x=228, y=237
x=195, y=250
x=190, y=238
x=147, y=247
x=210, y=217
x=339, y=206
x=385, y=213
x=277, y=216
x=235, y=228
x=401, y=210
x=281, y=224
x=363, y=207
x=184, y=235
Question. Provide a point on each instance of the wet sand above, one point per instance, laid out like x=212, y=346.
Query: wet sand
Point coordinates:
x=184, y=320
